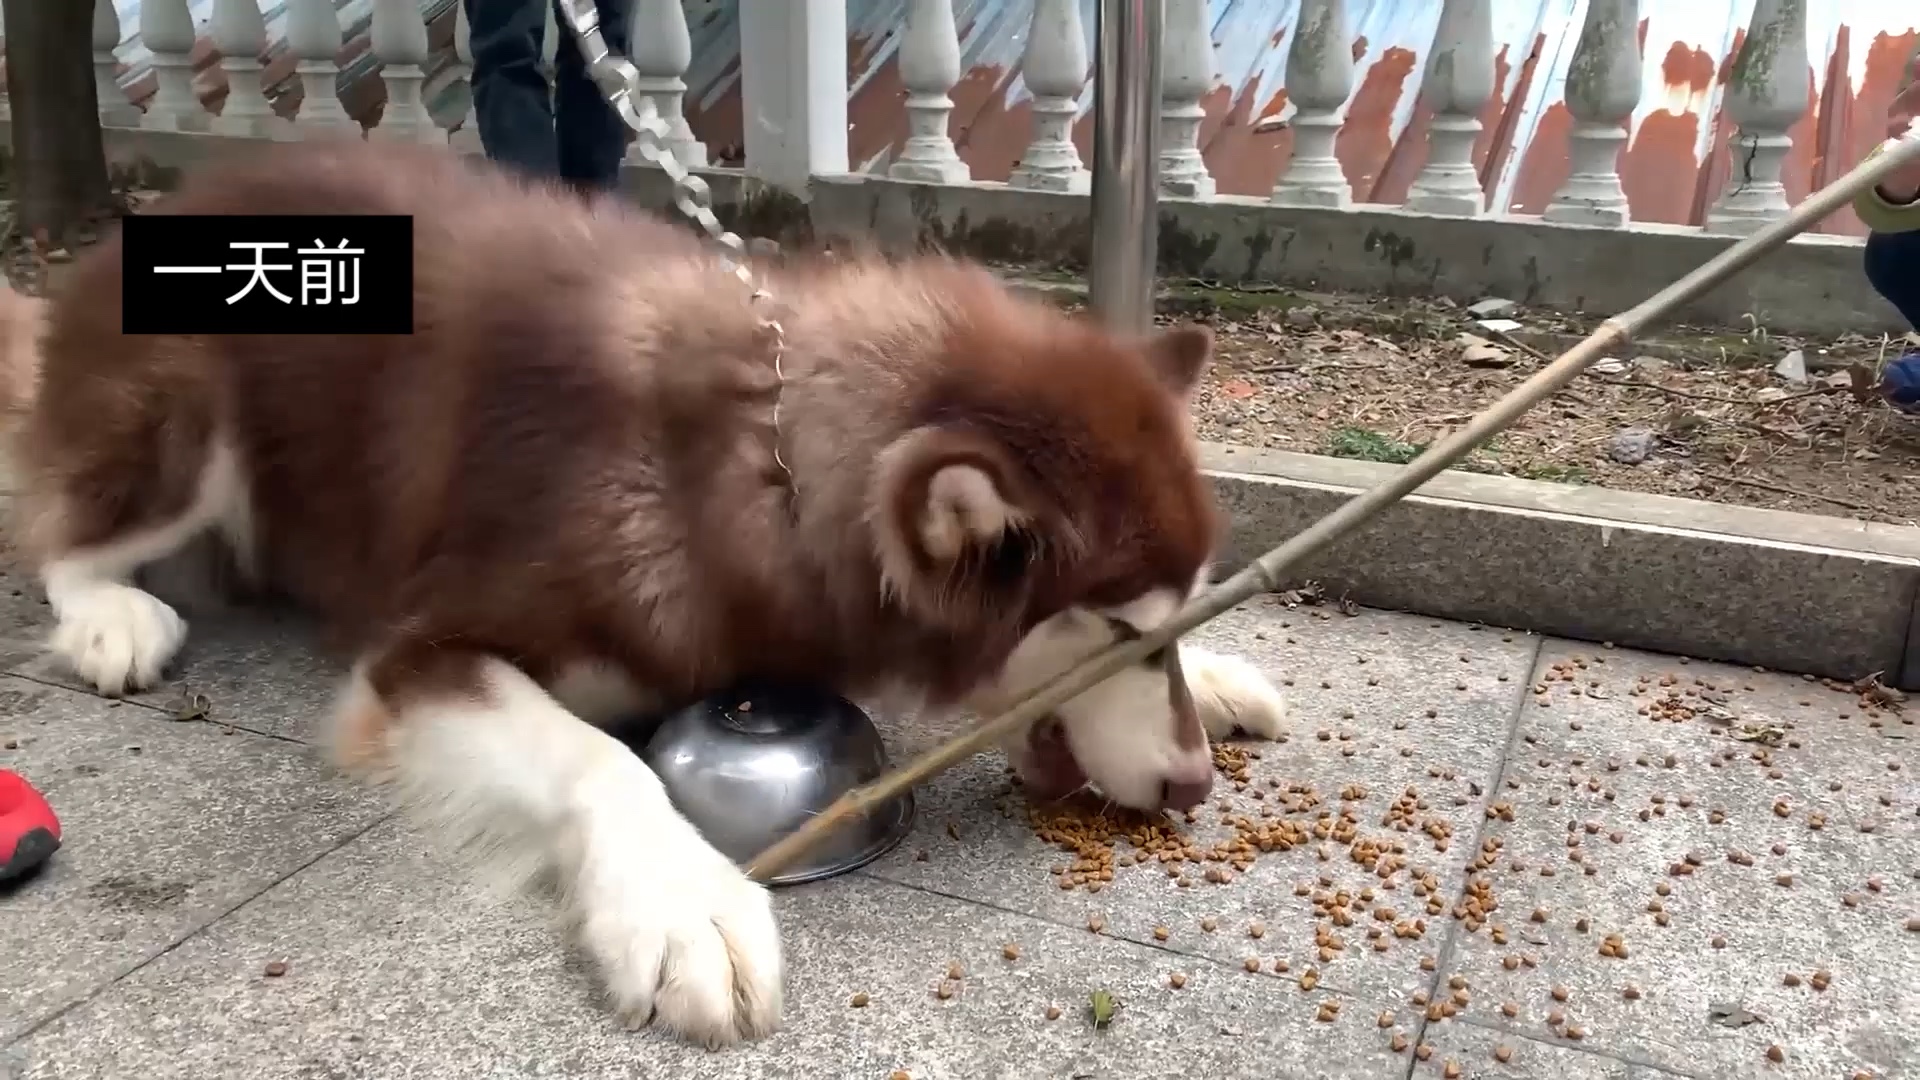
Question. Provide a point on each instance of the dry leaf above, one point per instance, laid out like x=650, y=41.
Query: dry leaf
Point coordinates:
x=1477, y=351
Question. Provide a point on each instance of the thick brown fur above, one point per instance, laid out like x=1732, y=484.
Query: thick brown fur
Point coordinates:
x=573, y=454
x=600, y=452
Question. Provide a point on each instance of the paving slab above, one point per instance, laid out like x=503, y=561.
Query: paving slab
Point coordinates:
x=167, y=826
x=395, y=967
x=256, y=668
x=1380, y=704
x=1752, y=840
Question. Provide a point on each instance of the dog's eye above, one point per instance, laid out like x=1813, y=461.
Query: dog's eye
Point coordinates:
x=1126, y=631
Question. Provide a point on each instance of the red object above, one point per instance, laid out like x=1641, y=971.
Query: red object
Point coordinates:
x=29, y=832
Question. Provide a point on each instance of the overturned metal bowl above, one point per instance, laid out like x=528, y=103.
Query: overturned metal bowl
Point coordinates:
x=749, y=766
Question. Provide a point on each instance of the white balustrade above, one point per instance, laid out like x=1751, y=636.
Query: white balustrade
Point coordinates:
x=400, y=44
x=661, y=48
x=240, y=33
x=466, y=137
x=166, y=29
x=1186, y=76
x=1766, y=96
x=1603, y=89
x=115, y=109
x=930, y=68
x=313, y=36
x=1319, y=80
x=1055, y=69
x=1458, y=81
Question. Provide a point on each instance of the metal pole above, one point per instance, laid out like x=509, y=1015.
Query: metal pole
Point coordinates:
x=1126, y=162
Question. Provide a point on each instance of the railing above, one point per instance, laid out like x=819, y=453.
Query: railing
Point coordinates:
x=236, y=81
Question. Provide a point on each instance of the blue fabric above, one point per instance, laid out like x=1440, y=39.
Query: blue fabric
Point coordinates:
x=569, y=133
x=1900, y=382
x=1893, y=269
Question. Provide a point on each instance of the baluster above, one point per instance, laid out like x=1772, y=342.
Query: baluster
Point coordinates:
x=240, y=33
x=1186, y=74
x=115, y=109
x=1458, y=82
x=466, y=137
x=400, y=43
x=1319, y=80
x=166, y=29
x=313, y=35
x=1603, y=89
x=930, y=67
x=1766, y=96
x=662, y=51
x=6, y=107
x=1055, y=69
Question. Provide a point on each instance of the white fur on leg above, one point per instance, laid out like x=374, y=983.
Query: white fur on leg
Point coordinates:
x=1232, y=695
x=115, y=636
x=681, y=935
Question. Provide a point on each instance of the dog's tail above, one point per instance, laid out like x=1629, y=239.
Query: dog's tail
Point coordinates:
x=22, y=328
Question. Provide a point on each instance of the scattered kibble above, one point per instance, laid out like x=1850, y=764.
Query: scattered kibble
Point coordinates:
x=859, y=1000
x=1176, y=980
x=276, y=968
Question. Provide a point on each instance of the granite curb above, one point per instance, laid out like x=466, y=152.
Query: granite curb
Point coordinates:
x=1808, y=594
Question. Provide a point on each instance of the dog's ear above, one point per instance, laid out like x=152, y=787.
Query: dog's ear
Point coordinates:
x=1179, y=355
x=952, y=522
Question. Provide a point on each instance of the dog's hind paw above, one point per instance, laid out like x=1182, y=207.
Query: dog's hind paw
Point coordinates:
x=1232, y=695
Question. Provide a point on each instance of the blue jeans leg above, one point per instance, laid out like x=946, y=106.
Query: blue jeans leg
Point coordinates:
x=510, y=96
x=592, y=137
x=1893, y=269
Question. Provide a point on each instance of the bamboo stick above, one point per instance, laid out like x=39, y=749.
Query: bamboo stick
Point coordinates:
x=1265, y=573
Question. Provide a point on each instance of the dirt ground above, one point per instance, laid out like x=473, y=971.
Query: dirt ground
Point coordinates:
x=1689, y=412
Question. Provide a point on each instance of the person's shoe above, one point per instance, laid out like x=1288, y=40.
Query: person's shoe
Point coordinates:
x=1900, y=383
x=29, y=833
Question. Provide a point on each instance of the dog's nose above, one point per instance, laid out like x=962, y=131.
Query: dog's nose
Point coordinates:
x=1185, y=794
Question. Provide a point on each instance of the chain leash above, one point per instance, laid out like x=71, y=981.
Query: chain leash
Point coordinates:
x=615, y=76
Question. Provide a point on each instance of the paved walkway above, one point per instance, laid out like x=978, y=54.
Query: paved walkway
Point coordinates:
x=1666, y=869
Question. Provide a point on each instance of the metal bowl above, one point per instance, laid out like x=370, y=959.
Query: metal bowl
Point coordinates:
x=751, y=765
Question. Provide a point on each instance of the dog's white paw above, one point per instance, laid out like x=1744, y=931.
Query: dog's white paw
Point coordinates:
x=116, y=637
x=1232, y=695
x=683, y=937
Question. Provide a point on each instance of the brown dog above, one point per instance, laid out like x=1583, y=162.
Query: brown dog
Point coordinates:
x=584, y=486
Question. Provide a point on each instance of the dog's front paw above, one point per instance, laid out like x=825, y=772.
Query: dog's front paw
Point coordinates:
x=116, y=637
x=1232, y=695
x=682, y=936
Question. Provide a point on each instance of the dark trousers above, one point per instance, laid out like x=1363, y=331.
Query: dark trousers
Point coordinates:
x=571, y=133
x=1893, y=268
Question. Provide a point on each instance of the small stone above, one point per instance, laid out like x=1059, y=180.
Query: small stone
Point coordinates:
x=1631, y=446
